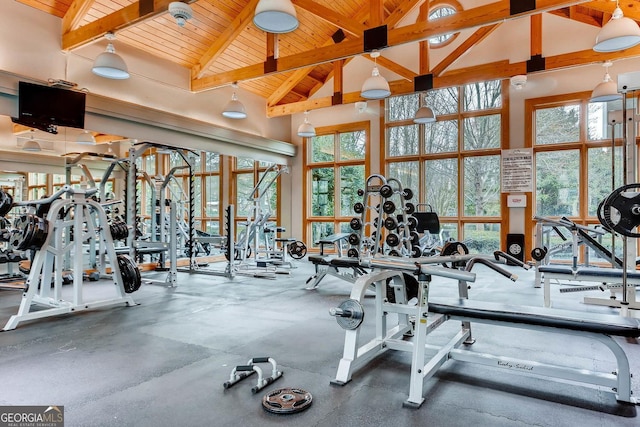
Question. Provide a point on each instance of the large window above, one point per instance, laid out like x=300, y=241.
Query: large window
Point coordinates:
x=574, y=154
x=453, y=164
x=256, y=191
x=335, y=170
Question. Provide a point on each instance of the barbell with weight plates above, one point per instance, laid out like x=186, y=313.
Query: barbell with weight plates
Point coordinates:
x=349, y=314
x=30, y=232
x=119, y=230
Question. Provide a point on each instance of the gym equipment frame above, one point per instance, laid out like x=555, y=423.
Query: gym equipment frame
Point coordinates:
x=430, y=315
x=47, y=264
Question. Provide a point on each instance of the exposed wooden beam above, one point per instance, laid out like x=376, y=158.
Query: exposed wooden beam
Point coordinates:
x=376, y=12
x=74, y=15
x=423, y=47
x=492, y=71
x=630, y=9
x=349, y=25
x=536, y=35
x=227, y=37
x=292, y=81
x=475, y=38
x=122, y=18
x=400, y=12
x=394, y=66
x=484, y=15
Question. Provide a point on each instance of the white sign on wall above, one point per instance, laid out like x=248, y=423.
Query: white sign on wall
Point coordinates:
x=517, y=170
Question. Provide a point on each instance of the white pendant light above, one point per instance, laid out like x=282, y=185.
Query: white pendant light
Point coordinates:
x=234, y=108
x=306, y=129
x=31, y=144
x=86, y=138
x=424, y=114
x=109, y=64
x=275, y=16
x=607, y=90
x=376, y=86
x=618, y=34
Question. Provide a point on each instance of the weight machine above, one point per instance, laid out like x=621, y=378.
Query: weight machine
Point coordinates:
x=258, y=244
x=84, y=220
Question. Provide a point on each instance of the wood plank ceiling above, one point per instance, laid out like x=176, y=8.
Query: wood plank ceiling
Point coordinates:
x=220, y=45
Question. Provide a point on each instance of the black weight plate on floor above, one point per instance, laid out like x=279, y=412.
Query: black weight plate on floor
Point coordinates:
x=287, y=401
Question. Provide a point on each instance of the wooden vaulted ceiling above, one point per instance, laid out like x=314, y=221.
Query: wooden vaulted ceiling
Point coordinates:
x=220, y=44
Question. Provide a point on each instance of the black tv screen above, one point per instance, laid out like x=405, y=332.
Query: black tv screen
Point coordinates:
x=43, y=106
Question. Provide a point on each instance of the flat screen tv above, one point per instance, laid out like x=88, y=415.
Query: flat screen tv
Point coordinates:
x=46, y=106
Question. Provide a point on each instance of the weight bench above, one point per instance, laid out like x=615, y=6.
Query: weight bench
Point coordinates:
x=331, y=266
x=584, y=274
x=391, y=333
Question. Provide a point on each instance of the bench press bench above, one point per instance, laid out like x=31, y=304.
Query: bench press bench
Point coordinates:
x=331, y=265
x=584, y=274
x=429, y=315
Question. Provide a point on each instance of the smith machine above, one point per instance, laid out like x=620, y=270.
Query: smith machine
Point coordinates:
x=61, y=235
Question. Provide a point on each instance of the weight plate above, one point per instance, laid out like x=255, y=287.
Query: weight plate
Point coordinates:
x=130, y=274
x=621, y=210
x=453, y=248
x=297, y=249
x=355, y=313
x=410, y=284
x=287, y=401
x=6, y=203
x=353, y=253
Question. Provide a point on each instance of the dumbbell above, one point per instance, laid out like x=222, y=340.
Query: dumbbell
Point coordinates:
x=389, y=207
x=355, y=224
x=390, y=223
x=353, y=253
x=354, y=239
x=358, y=207
x=392, y=239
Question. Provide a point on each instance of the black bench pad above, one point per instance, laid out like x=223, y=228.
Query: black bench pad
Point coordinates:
x=560, y=269
x=608, y=324
x=345, y=262
x=318, y=260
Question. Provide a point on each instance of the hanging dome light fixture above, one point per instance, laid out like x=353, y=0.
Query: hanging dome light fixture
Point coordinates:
x=376, y=86
x=424, y=114
x=109, y=64
x=607, y=89
x=234, y=108
x=275, y=16
x=306, y=129
x=619, y=33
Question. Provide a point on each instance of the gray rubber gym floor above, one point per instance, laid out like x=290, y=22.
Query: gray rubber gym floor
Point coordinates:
x=164, y=362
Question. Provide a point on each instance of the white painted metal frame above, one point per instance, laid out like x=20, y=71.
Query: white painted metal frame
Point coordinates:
x=47, y=264
x=356, y=355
